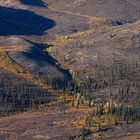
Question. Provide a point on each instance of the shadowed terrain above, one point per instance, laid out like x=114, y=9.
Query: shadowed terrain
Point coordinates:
x=22, y=22
x=39, y=61
x=38, y=3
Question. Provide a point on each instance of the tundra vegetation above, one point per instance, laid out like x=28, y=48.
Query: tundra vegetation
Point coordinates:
x=72, y=69
x=111, y=97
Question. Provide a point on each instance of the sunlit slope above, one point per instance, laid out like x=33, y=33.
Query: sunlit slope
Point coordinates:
x=127, y=10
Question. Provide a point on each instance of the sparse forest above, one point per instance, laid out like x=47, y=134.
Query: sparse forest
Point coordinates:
x=69, y=69
x=18, y=94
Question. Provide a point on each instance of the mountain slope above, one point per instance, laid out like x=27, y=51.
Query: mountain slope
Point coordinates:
x=72, y=66
x=127, y=10
x=96, y=45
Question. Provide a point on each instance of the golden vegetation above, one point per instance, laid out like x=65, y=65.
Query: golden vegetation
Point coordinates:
x=11, y=66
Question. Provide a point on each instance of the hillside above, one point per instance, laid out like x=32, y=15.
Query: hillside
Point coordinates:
x=100, y=46
x=69, y=69
x=125, y=10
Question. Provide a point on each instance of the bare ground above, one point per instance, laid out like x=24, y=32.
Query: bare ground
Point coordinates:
x=39, y=125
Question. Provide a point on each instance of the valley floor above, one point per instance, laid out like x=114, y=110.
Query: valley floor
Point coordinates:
x=53, y=124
